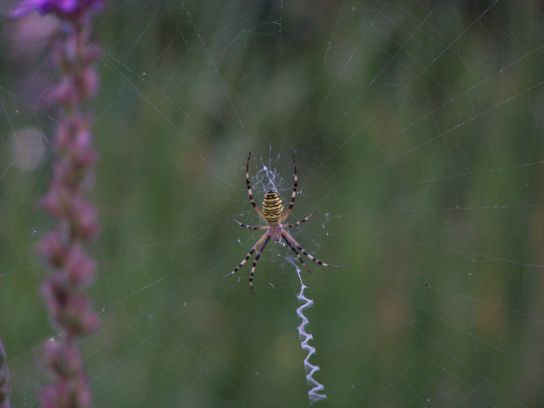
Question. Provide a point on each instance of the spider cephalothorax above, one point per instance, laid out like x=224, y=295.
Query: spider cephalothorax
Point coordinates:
x=274, y=214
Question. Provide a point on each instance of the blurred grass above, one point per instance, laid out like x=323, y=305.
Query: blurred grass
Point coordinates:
x=417, y=126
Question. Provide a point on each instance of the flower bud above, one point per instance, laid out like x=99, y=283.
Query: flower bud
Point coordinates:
x=79, y=267
x=52, y=248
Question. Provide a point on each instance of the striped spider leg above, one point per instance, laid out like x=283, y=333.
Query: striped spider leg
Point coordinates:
x=302, y=221
x=274, y=214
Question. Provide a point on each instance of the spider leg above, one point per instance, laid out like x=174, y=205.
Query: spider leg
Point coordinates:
x=299, y=248
x=302, y=221
x=254, y=266
x=251, y=227
x=294, y=192
x=250, y=191
x=296, y=253
x=248, y=255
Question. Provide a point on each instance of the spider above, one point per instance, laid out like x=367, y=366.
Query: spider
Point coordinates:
x=274, y=214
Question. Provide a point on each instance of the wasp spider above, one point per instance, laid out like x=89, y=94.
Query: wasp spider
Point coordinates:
x=275, y=215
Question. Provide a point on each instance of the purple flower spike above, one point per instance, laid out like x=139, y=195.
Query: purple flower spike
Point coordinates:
x=53, y=249
x=65, y=249
x=62, y=8
x=4, y=379
x=79, y=268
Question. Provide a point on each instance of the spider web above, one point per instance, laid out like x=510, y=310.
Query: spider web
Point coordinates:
x=417, y=128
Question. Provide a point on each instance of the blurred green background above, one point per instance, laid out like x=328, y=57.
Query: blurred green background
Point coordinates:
x=418, y=127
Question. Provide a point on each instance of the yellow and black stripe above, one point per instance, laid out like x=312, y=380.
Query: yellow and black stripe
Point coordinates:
x=272, y=208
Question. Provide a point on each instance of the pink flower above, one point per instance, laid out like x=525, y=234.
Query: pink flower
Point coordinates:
x=52, y=248
x=72, y=270
x=80, y=267
x=62, y=8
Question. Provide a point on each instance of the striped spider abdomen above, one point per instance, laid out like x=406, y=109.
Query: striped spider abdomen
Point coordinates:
x=272, y=208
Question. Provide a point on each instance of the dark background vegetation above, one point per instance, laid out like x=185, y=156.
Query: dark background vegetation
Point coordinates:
x=418, y=127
